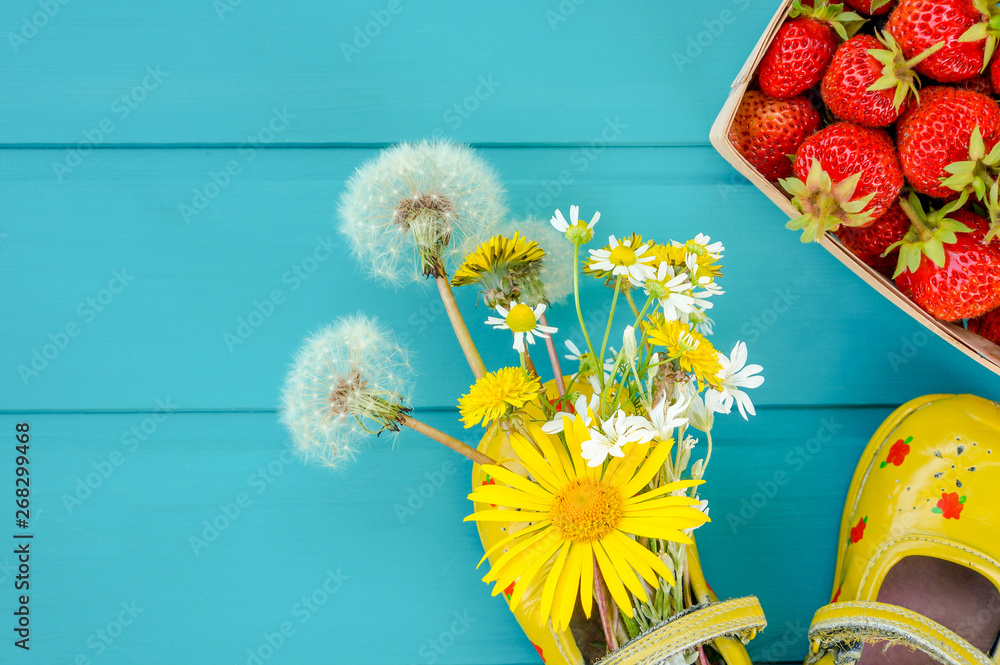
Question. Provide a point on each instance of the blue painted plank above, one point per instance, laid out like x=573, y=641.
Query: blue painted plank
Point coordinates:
x=118, y=499
x=213, y=71
x=822, y=335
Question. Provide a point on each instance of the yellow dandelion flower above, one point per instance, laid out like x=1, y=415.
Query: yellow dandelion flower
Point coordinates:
x=693, y=351
x=581, y=520
x=497, y=394
x=499, y=265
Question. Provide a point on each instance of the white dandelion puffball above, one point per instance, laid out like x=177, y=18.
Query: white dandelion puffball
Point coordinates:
x=348, y=380
x=556, y=274
x=409, y=211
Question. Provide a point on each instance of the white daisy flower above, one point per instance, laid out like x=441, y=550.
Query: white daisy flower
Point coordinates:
x=672, y=291
x=561, y=225
x=624, y=260
x=703, y=242
x=582, y=406
x=701, y=412
x=664, y=418
x=736, y=374
x=615, y=432
x=522, y=321
x=699, y=321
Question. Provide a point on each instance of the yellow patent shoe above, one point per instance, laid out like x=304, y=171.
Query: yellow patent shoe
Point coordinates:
x=918, y=565
x=726, y=625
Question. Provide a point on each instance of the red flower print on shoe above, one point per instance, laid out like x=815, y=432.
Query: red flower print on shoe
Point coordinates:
x=897, y=453
x=858, y=531
x=950, y=505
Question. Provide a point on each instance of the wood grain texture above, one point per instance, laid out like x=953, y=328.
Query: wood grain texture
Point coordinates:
x=118, y=528
x=822, y=335
x=519, y=72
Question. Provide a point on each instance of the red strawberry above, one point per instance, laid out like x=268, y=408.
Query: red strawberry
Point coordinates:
x=847, y=175
x=920, y=24
x=767, y=130
x=797, y=57
x=938, y=132
x=871, y=7
x=944, y=266
x=868, y=80
x=995, y=75
x=868, y=243
x=987, y=326
x=980, y=83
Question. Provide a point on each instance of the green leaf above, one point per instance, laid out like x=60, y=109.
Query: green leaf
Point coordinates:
x=936, y=510
x=975, y=33
x=934, y=250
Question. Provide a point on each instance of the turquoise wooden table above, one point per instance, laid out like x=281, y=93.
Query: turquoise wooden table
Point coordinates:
x=169, y=174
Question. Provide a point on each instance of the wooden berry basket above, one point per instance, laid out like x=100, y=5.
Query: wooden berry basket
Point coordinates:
x=981, y=350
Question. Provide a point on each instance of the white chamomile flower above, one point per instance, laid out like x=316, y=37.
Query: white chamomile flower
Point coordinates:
x=664, y=418
x=672, y=291
x=522, y=321
x=615, y=432
x=582, y=406
x=736, y=374
x=703, y=243
x=701, y=412
x=699, y=321
x=623, y=260
x=561, y=225
x=348, y=380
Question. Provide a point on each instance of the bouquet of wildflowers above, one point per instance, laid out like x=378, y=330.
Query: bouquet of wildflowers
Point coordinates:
x=588, y=486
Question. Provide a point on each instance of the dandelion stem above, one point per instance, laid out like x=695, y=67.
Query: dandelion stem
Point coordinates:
x=611, y=318
x=461, y=330
x=602, y=608
x=450, y=441
x=631, y=303
x=579, y=312
x=554, y=359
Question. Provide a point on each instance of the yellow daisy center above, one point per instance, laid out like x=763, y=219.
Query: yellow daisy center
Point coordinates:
x=521, y=318
x=587, y=510
x=622, y=256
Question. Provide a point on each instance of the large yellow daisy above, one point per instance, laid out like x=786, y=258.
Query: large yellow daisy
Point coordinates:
x=581, y=520
x=497, y=394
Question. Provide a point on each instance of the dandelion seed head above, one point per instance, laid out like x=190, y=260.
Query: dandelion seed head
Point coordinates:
x=349, y=380
x=417, y=204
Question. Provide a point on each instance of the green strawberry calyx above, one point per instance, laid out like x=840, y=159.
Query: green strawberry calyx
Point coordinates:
x=929, y=233
x=977, y=174
x=824, y=204
x=992, y=203
x=845, y=24
x=988, y=29
x=897, y=71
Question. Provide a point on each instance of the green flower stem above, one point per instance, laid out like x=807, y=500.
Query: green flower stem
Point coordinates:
x=579, y=312
x=461, y=330
x=444, y=439
x=640, y=315
x=607, y=328
x=554, y=359
x=631, y=303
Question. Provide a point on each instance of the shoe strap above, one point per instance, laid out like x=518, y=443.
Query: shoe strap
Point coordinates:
x=842, y=629
x=732, y=622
